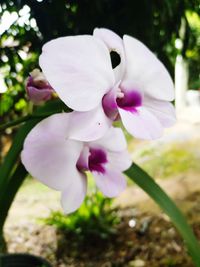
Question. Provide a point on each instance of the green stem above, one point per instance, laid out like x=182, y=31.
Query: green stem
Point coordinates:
x=14, y=123
x=50, y=108
x=23, y=119
x=7, y=196
x=142, y=179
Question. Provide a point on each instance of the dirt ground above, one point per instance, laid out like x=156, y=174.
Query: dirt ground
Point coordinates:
x=141, y=239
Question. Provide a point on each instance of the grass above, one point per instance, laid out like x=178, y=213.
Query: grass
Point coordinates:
x=170, y=160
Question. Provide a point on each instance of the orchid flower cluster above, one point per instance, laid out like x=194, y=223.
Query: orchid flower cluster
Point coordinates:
x=61, y=149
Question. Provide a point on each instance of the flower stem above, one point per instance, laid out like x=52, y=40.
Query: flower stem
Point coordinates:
x=14, y=123
x=23, y=119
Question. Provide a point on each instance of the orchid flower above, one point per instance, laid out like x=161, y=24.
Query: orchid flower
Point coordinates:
x=138, y=90
x=51, y=156
x=37, y=87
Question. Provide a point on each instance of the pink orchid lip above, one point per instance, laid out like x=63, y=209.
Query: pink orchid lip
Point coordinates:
x=128, y=100
x=93, y=160
x=110, y=105
x=131, y=100
x=97, y=160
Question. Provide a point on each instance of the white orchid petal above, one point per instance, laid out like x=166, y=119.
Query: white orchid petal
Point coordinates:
x=120, y=161
x=89, y=125
x=74, y=194
x=141, y=124
x=79, y=69
x=114, y=140
x=163, y=110
x=146, y=72
x=48, y=155
x=114, y=43
x=111, y=183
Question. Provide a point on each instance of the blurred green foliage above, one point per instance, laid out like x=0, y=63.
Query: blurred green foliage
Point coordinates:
x=193, y=51
x=95, y=219
x=18, y=53
x=157, y=23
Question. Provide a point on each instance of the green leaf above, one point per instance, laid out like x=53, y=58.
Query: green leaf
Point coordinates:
x=141, y=178
x=13, y=154
x=50, y=108
x=7, y=196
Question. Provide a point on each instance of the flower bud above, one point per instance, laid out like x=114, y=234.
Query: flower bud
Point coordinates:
x=37, y=87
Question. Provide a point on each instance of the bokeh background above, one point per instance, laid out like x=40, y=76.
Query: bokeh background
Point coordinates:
x=131, y=231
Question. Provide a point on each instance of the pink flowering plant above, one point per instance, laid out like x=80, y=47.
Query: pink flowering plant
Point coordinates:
x=67, y=137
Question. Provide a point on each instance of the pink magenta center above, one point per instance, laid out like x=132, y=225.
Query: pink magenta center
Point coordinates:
x=126, y=99
x=130, y=101
x=95, y=162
